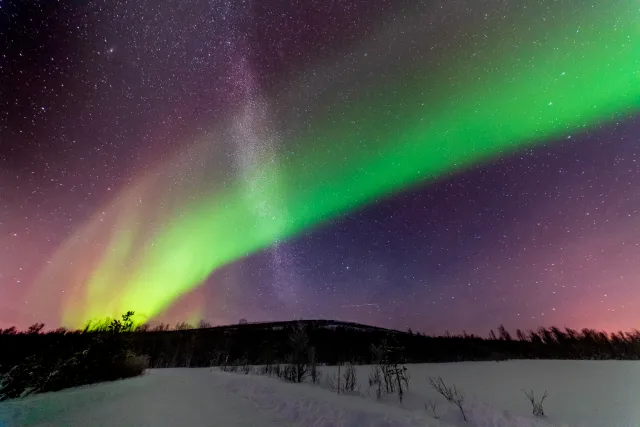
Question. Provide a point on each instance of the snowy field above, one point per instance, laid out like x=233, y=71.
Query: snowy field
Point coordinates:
x=581, y=394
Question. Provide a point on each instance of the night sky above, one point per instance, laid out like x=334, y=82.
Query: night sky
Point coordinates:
x=122, y=122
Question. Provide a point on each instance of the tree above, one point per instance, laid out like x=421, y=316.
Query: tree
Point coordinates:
x=144, y=327
x=204, y=324
x=35, y=328
x=10, y=331
x=504, y=334
x=546, y=335
x=183, y=326
x=162, y=327
x=299, y=358
x=450, y=393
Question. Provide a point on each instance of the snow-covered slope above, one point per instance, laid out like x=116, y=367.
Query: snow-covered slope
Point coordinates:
x=581, y=393
x=201, y=398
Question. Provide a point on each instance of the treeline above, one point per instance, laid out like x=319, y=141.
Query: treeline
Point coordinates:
x=36, y=362
x=333, y=342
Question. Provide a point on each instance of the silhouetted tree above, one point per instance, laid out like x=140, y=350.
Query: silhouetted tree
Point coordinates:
x=299, y=357
x=35, y=328
x=183, y=326
x=504, y=335
x=203, y=324
x=10, y=331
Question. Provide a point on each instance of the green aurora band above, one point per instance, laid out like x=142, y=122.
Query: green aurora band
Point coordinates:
x=570, y=72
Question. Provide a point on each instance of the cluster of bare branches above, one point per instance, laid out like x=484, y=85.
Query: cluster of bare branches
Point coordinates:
x=298, y=367
x=350, y=381
x=536, y=403
x=387, y=375
x=449, y=392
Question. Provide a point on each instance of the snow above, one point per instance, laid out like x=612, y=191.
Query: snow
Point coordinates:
x=171, y=397
x=581, y=394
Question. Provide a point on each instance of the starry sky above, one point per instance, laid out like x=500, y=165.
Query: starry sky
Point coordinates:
x=264, y=160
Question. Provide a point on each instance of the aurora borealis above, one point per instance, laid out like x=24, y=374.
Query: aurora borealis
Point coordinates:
x=229, y=160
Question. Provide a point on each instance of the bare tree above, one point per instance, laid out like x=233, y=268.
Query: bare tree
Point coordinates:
x=350, y=379
x=161, y=327
x=331, y=383
x=299, y=358
x=503, y=333
x=449, y=392
x=375, y=380
x=35, y=329
x=183, y=326
x=538, y=409
x=204, y=324
x=143, y=327
x=246, y=366
x=313, y=366
x=388, y=371
x=401, y=376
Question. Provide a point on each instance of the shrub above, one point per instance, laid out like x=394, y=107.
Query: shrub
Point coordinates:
x=21, y=379
x=331, y=383
x=133, y=366
x=388, y=374
x=449, y=392
x=290, y=372
x=375, y=380
x=538, y=409
x=350, y=379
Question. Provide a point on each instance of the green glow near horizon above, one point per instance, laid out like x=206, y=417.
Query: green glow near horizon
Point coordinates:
x=421, y=126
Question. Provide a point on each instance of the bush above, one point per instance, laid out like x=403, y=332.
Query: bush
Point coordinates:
x=21, y=379
x=388, y=374
x=537, y=404
x=133, y=366
x=375, y=380
x=449, y=392
x=350, y=379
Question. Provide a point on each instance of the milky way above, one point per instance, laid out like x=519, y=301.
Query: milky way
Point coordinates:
x=425, y=165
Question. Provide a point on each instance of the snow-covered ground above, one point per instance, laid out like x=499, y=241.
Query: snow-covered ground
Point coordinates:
x=581, y=394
